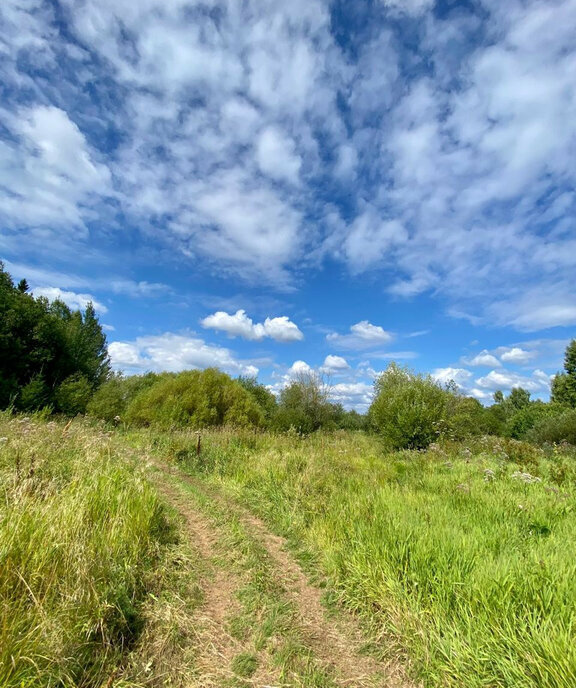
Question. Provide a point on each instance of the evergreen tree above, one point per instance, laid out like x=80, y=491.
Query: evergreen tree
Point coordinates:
x=44, y=346
x=564, y=384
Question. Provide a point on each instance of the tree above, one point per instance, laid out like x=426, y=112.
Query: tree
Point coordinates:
x=519, y=398
x=262, y=395
x=42, y=344
x=409, y=411
x=304, y=404
x=194, y=398
x=564, y=384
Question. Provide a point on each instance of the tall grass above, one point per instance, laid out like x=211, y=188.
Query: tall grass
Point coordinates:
x=79, y=532
x=465, y=555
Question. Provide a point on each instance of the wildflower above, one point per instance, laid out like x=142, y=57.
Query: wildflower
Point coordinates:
x=525, y=477
x=3, y=439
x=489, y=475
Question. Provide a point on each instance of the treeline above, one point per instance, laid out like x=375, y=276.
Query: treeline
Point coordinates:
x=50, y=356
x=54, y=358
x=411, y=411
x=204, y=398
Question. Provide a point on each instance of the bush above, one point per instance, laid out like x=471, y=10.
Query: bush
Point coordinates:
x=112, y=398
x=196, y=398
x=261, y=394
x=73, y=395
x=518, y=425
x=409, y=411
x=555, y=429
x=34, y=395
x=304, y=405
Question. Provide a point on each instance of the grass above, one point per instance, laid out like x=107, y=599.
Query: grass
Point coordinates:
x=80, y=532
x=463, y=556
x=460, y=558
x=266, y=621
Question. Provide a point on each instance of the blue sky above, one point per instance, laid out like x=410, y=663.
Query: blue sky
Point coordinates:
x=274, y=186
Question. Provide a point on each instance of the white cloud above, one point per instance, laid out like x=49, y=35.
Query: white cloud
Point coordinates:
x=545, y=316
x=47, y=171
x=460, y=376
x=363, y=335
x=70, y=298
x=281, y=329
x=66, y=280
x=484, y=358
x=516, y=354
x=175, y=352
x=369, y=239
x=334, y=365
x=506, y=380
x=277, y=157
x=298, y=368
x=460, y=176
x=357, y=395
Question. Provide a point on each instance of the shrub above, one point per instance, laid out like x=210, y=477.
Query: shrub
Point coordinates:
x=520, y=423
x=304, y=405
x=73, y=395
x=555, y=429
x=409, y=411
x=196, y=398
x=261, y=394
x=112, y=398
x=34, y=395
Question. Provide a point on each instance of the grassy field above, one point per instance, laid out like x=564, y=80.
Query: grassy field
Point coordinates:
x=462, y=556
x=80, y=532
x=459, y=561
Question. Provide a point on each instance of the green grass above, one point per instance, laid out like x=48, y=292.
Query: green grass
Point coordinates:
x=446, y=553
x=266, y=621
x=461, y=558
x=80, y=531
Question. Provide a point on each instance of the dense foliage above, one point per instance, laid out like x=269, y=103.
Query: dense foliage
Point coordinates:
x=197, y=398
x=56, y=358
x=49, y=354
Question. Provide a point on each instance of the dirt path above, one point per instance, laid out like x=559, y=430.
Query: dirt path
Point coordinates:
x=335, y=643
x=217, y=648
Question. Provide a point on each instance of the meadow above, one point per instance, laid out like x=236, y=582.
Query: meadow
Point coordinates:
x=459, y=561
x=460, y=558
x=80, y=533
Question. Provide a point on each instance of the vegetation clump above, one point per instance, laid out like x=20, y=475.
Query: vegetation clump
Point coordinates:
x=80, y=530
x=50, y=356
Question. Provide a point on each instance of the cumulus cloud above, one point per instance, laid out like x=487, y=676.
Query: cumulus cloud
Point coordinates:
x=175, y=352
x=362, y=335
x=70, y=298
x=460, y=376
x=484, y=358
x=357, y=395
x=298, y=368
x=281, y=329
x=505, y=380
x=516, y=354
x=334, y=365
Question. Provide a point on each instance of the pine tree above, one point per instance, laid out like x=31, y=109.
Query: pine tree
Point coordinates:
x=564, y=384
